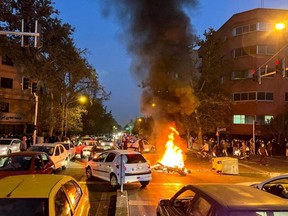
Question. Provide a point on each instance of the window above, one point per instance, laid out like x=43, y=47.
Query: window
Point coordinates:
x=6, y=83
x=110, y=157
x=263, y=96
x=73, y=192
x=7, y=60
x=286, y=96
x=238, y=119
x=200, y=207
x=61, y=203
x=4, y=107
x=260, y=95
x=268, y=119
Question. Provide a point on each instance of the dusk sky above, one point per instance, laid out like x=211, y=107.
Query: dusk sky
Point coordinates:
x=107, y=54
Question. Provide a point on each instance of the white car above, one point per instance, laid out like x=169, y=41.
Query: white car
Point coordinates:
x=277, y=185
x=70, y=149
x=56, y=151
x=107, y=167
x=9, y=145
x=147, y=147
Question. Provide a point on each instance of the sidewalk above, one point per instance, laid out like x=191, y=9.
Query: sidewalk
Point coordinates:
x=276, y=165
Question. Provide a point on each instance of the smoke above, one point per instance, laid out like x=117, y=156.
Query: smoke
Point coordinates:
x=158, y=34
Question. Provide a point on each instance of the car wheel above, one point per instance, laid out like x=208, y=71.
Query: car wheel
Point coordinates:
x=89, y=173
x=144, y=183
x=65, y=165
x=114, y=181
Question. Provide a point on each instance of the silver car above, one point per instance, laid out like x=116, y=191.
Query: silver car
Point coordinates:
x=9, y=145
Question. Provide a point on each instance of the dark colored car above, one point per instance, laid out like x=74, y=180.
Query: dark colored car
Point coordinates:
x=21, y=163
x=222, y=200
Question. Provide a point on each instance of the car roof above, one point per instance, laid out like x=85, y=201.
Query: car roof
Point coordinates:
x=9, y=139
x=47, y=144
x=239, y=197
x=29, y=186
x=26, y=153
x=120, y=151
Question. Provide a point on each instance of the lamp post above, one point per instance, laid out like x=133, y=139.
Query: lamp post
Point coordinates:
x=81, y=99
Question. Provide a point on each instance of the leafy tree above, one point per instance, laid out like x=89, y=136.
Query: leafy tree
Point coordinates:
x=215, y=105
x=59, y=67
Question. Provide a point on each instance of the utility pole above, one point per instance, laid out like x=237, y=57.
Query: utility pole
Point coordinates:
x=35, y=34
x=35, y=119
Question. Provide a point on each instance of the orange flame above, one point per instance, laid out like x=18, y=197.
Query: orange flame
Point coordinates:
x=173, y=156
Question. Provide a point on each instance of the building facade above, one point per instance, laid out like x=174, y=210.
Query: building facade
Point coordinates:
x=254, y=46
x=16, y=104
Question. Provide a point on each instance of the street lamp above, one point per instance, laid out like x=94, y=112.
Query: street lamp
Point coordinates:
x=82, y=99
x=279, y=26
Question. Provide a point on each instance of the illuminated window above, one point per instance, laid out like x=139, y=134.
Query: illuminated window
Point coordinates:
x=239, y=119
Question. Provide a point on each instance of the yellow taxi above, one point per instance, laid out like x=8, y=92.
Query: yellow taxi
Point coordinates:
x=43, y=195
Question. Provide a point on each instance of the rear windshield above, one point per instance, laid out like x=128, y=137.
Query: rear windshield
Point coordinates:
x=47, y=149
x=135, y=158
x=24, y=207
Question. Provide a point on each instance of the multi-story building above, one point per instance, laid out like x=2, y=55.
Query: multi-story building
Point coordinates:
x=16, y=105
x=253, y=46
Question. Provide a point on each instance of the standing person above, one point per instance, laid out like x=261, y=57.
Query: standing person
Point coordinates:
x=124, y=143
x=262, y=151
x=269, y=148
x=23, y=144
x=224, y=147
x=243, y=150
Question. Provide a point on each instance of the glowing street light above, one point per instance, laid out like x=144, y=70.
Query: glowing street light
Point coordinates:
x=280, y=26
x=82, y=99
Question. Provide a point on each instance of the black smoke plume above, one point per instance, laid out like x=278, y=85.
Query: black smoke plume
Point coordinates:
x=158, y=35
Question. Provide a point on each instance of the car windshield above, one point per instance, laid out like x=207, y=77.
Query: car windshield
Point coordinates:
x=25, y=207
x=66, y=146
x=48, y=149
x=258, y=213
x=5, y=142
x=135, y=158
x=16, y=163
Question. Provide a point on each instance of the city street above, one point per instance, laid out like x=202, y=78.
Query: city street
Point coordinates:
x=143, y=201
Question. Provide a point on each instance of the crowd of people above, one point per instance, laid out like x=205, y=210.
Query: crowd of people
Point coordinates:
x=242, y=148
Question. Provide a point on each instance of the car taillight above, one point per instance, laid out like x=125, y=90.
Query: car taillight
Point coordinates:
x=148, y=166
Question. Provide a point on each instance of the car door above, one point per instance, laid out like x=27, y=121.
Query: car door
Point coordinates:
x=57, y=157
x=48, y=165
x=108, y=166
x=15, y=146
x=98, y=166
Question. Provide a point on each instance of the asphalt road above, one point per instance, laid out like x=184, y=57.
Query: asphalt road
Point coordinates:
x=143, y=201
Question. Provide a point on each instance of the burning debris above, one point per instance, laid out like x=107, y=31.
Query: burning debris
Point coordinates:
x=173, y=158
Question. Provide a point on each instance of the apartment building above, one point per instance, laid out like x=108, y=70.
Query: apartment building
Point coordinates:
x=16, y=105
x=253, y=46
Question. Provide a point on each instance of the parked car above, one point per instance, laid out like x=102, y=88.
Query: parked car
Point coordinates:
x=9, y=145
x=70, y=149
x=107, y=167
x=221, y=199
x=277, y=185
x=147, y=147
x=43, y=195
x=27, y=162
x=56, y=151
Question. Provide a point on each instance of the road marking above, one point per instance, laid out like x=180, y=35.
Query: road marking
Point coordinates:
x=141, y=203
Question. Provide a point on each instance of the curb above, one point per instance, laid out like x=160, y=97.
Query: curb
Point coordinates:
x=122, y=207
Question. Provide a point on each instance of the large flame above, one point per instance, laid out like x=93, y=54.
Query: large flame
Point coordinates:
x=173, y=156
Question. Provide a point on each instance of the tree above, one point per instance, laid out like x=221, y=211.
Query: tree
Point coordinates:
x=215, y=104
x=59, y=67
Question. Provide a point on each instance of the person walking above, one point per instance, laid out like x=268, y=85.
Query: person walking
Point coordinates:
x=224, y=147
x=23, y=144
x=269, y=148
x=262, y=151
